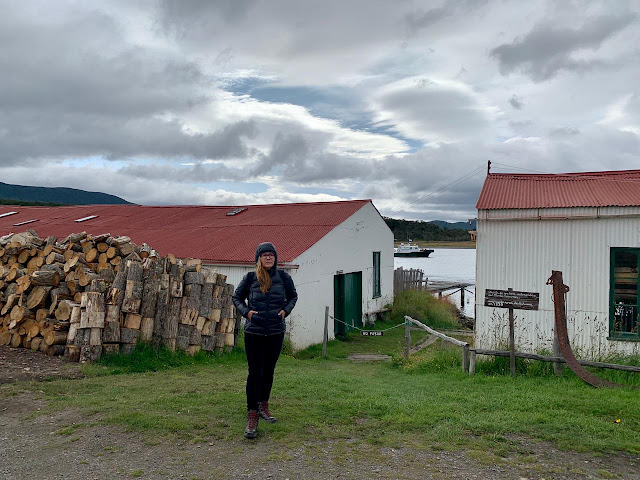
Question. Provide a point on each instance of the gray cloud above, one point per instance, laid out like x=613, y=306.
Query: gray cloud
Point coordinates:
x=547, y=50
x=515, y=102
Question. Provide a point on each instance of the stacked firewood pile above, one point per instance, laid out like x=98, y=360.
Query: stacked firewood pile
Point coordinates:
x=91, y=295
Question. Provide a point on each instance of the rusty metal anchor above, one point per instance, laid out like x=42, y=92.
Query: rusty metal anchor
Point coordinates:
x=559, y=291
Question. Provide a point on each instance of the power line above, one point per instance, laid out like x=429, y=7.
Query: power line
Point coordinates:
x=459, y=180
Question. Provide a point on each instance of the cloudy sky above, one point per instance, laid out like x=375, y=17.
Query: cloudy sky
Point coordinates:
x=250, y=101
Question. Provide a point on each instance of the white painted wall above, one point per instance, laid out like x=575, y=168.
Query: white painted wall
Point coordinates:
x=521, y=254
x=348, y=247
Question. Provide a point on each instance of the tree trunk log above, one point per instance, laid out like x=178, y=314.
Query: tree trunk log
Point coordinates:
x=45, y=278
x=129, y=335
x=146, y=329
x=90, y=353
x=95, y=309
x=111, y=332
x=133, y=289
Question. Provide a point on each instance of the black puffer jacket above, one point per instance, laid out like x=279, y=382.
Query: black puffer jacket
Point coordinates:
x=281, y=295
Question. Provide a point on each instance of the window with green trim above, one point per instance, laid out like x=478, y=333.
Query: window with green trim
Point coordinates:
x=624, y=293
x=376, y=275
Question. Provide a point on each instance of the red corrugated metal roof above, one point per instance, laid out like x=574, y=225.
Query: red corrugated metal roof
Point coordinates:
x=194, y=231
x=589, y=189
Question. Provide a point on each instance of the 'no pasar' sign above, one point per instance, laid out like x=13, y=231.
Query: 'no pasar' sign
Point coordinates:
x=372, y=333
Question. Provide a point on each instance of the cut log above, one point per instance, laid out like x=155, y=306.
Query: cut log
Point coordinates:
x=90, y=353
x=113, y=314
x=55, y=350
x=54, y=257
x=128, y=248
x=175, y=281
x=95, y=309
x=129, y=335
x=110, y=348
x=133, y=289
x=41, y=314
x=45, y=278
x=189, y=310
x=37, y=297
x=95, y=336
x=91, y=255
x=208, y=343
x=102, y=247
x=76, y=313
x=206, y=297
x=72, y=353
x=133, y=320
x=173, y=318
x=146, y=329
x=182, y=342
x=161, y=313
x=193, y=290
x=73, y=331
x=35, y=343
x=63, y=310
x=111, y=332
x=111, y=253
x=86, y=278
x=116, y=292
x=55, y=338
x=75, y=238
x=193, y=278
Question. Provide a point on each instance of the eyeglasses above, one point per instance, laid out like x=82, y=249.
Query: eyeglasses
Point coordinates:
x=267, y=255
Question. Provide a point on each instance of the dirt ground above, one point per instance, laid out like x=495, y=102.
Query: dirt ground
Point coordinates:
x=19, y=364
x=70, y=445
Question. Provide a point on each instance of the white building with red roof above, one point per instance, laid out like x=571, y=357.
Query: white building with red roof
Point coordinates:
x=339, y=254
x=586, y=225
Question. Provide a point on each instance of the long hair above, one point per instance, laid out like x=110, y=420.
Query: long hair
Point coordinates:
x=263, y=277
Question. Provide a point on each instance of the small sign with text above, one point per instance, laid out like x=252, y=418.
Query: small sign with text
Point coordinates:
x=511, y=299
x=372, y=333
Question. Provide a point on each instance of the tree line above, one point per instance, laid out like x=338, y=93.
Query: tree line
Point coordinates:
x=425, y=231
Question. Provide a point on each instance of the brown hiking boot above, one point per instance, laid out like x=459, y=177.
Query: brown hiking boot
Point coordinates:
x=252, y=424
x=265, y=414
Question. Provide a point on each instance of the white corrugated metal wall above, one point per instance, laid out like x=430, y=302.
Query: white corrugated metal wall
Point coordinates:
x=516, y=250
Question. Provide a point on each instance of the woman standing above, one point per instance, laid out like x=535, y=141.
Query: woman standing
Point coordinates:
x=271, y=296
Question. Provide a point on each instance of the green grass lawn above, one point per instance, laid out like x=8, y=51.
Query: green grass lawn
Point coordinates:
x=427, y=402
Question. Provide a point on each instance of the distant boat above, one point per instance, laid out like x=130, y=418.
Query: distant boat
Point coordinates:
x=411, y=250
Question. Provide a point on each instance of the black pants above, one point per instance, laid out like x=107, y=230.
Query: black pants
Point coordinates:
x=262, y=354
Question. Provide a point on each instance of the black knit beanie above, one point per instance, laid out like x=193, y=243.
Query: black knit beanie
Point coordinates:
x=264, y=248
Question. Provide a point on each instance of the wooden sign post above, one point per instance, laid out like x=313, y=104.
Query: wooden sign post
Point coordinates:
x=512, y=300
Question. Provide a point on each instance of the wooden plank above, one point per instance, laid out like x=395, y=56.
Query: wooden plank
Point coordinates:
x=455, y=341
x=545, y=358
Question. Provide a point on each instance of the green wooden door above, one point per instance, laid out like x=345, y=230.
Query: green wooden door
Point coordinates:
x=347, y=304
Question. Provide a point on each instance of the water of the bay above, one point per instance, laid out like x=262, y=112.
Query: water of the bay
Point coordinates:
x=448, y=264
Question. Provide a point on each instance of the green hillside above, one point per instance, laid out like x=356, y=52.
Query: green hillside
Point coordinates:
x=425, y=231
x=21, y=194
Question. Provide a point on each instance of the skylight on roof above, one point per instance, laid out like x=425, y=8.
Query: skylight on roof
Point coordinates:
x=236, y=211
x=84, y=219
x=24, y=223
x=7, y=214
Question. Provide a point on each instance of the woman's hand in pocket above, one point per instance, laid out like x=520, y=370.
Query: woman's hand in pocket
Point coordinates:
x=282, y=313
x=250, y=314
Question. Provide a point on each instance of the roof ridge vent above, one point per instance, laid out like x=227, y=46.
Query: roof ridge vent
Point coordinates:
x=24, y=223
x=84, y=219
x=236, y=211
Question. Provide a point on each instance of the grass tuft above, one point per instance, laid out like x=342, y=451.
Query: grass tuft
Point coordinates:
x=423, y=306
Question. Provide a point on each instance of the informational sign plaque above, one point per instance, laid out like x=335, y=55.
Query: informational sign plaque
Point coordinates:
x=372, y=333
x=511, y=299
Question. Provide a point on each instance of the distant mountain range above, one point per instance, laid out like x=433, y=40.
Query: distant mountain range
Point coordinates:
x=57, y=195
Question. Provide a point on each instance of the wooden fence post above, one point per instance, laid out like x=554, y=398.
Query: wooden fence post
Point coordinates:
x=512, y=343
x=326, y=332
x=465, y=359
x=472, y=362
x=558, y=368
x=407, y=339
